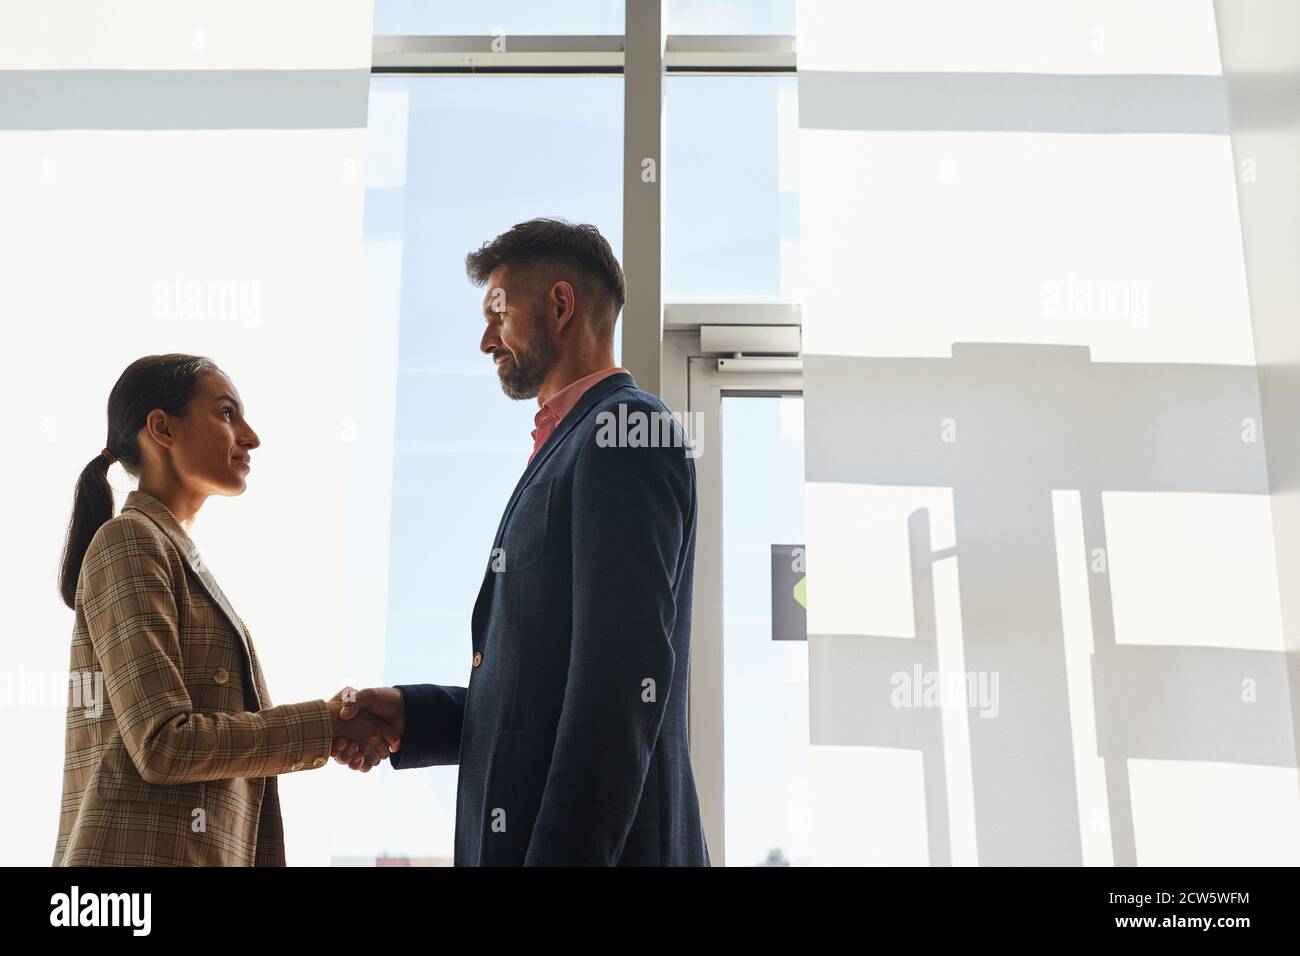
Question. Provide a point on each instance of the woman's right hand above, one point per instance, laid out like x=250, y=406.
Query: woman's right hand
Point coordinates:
x=372, y=738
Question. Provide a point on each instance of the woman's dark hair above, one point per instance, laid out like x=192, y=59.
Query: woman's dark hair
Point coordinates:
x=155, y=381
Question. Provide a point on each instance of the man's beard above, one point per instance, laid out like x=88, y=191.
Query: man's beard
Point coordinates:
x=523, y=372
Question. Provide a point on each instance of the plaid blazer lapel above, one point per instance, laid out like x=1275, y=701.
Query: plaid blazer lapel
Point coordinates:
x=259, y=679
x=146, y=503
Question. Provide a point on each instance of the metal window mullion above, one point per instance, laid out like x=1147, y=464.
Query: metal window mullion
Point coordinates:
x=643, y=81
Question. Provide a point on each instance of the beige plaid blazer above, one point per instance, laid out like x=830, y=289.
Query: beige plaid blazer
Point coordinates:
x=175, y=765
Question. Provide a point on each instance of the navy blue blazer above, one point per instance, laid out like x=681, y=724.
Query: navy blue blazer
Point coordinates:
x=572, y=736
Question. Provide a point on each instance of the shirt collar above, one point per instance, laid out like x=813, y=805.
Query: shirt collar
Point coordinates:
x=562, y=402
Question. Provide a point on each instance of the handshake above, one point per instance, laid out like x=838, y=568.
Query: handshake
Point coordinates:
x=367, y=725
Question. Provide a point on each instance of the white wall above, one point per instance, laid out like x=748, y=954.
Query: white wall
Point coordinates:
x=1035, y=448
x=1260, y=44
x=156, y=157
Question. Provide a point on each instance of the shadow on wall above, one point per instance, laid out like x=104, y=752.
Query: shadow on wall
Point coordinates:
x=1033, y=419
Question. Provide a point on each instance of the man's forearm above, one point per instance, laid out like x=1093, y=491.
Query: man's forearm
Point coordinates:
x=434, y=715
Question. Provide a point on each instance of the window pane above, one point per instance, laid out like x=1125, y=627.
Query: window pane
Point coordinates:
x=483, y=17
x=731, y=16
x=730, y=189
x=765, y=681
x=453, y=162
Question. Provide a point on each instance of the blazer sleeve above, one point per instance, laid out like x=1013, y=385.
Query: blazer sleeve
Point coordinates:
x=434, y=715
x=631, y=507
x=129, y=603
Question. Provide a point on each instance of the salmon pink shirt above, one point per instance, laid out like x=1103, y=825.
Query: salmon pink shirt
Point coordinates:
x=561, y=403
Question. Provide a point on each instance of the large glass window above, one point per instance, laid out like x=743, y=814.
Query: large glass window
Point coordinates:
x=519, y=17
x=731, y=17
x=484, y=17
x=731, y=209
x=453, y=162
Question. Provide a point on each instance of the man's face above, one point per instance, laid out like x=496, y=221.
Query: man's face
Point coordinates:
x=517, y=338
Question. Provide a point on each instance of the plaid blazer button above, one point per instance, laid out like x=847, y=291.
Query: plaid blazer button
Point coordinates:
x=318, y=762
x=221, y=676
x=478, y=658
x=297, y=766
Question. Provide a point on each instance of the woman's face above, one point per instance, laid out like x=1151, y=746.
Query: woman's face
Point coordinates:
x=211, y=443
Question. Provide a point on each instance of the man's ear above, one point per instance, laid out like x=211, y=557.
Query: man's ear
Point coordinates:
x=562, y=304
x=159, y=428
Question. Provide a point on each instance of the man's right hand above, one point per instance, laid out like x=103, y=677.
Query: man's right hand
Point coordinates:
x=385, y=703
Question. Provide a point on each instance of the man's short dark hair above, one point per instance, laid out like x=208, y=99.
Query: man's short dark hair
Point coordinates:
x=542, y=247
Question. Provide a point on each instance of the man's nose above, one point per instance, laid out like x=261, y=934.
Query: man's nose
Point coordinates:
x=250, y=439
x=489, y=343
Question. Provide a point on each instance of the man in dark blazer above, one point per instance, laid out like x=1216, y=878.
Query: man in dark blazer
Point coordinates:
x=572, y=734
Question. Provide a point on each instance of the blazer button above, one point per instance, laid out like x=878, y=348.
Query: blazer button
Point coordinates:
x=297, y=766
x=478, y=658
x=221, y=676
x=318, y=762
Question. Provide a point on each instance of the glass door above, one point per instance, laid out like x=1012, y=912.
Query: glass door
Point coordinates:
x=749, y=662
x=766, y=799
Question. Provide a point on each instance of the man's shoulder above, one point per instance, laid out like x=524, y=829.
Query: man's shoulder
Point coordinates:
x=628, y=407
x=631, y=398
x=641, y=425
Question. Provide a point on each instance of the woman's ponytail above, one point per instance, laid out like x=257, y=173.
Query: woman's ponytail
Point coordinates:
x=92, y=506
x=167, y=382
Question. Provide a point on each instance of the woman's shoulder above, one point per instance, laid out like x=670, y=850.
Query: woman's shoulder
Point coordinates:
x=130, y=534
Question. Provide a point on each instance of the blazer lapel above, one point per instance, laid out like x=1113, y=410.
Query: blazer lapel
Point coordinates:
x=592, y=395
x=158, y=513
x=570, y=421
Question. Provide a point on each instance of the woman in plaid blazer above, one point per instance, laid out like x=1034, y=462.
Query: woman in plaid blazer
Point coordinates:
x=175, y=764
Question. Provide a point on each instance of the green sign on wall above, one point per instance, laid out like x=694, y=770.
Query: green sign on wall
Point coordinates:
x=789, y=593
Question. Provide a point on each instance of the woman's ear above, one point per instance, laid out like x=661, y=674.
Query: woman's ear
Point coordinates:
x=159, y=428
